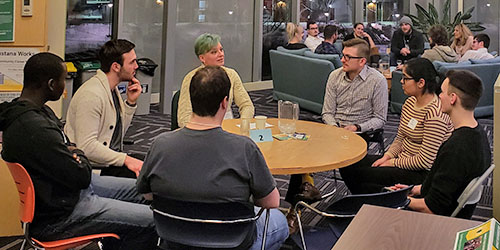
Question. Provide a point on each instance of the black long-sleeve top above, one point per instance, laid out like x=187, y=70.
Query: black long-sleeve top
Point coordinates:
x=463, y=157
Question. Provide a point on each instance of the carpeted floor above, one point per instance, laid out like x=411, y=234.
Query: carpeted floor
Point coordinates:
x=145, y=128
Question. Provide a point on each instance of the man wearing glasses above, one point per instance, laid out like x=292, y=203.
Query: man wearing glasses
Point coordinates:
x=313, y=40
x=479, y=48
x=355, y=95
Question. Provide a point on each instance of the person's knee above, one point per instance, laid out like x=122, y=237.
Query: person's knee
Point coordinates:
x=279, y=224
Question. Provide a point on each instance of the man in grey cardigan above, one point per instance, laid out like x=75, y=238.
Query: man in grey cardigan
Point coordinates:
x=98, y=118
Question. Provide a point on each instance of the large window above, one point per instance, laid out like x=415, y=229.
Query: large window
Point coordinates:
x=89, y=26
x=276, y=13
x=486, y=12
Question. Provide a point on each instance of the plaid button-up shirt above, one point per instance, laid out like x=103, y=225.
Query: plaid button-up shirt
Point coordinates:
x=362, y=101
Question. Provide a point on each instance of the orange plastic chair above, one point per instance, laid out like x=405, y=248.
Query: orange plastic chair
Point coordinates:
x=27, y=209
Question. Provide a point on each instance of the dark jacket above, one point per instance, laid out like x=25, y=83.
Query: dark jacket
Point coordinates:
x=33, y=137
x=416, y=43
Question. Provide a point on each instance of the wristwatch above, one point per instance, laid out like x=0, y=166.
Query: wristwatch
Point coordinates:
x=358, y=128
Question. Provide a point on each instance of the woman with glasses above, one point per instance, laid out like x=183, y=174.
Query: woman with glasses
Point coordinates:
x=422, y=129
x=294, y=33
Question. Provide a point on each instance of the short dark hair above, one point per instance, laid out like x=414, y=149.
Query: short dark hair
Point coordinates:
x=41, y=68
x=112, y=51
x=467, y=85
x=310, y=22
x=209, y=86
x=361, y=45
x=483, y=38
x=356, y=25
x=329, y=31
x=438, y=34
x=422, y=68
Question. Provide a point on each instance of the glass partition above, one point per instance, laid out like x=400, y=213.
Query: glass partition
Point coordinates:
x=276, y=13
x=141, y=22
x=488, y=13
x=89, y=25
x=231, y=19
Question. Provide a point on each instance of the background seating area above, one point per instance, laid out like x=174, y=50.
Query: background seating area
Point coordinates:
x=300, y=76
x=487, y=70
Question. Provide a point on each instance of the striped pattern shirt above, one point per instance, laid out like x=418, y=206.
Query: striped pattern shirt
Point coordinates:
x=420, y=134
x=362, y=101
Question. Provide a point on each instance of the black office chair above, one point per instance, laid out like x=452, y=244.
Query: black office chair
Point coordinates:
x=175, y=105
x=346, y=208
x=377, y=136
x=200, y=225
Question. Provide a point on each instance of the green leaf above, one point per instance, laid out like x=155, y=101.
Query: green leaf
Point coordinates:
x=446, y=12
x=467, y=14
x=434, y=14
x=422, y=12
x=457, y=19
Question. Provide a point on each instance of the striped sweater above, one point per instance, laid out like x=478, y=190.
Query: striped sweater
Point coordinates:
x=420, y=134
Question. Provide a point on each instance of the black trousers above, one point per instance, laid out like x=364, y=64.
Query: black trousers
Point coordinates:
x=362, y=178
x=121, y=171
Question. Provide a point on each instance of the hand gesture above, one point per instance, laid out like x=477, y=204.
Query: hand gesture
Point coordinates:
x=405, y=51
x=133, y=164
x=134, y=90
x=381, y=161
x=351, y=128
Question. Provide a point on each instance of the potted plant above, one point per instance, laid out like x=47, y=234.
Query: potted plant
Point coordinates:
x=426, y=18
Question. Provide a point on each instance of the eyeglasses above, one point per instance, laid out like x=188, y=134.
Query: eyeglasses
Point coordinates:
x=348, y=57
x=407, y=79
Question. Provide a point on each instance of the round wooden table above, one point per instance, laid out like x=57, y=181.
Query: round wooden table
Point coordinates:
x=327, y=148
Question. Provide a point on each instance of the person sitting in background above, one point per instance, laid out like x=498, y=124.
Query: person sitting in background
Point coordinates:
x=70, y=200
x=326, y=47
x=359, y=32
x=440, y=51
x=422, y=129
x=479, y=49
x=406, y=42
x=462, y=39
x=294, y=33
x=313, y=40
x=203, y=163
x=209, y=51
x=463, y=157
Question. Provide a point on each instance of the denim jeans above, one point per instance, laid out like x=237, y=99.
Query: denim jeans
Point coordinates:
x=108, y=205
x=277, y=232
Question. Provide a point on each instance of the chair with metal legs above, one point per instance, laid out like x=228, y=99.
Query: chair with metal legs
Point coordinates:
x=201, y=225
x=349, y=206
x=472, y=193
x=27, y=211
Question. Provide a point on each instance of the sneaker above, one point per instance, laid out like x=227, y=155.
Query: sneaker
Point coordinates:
x=308, y=193
x=291, y=219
